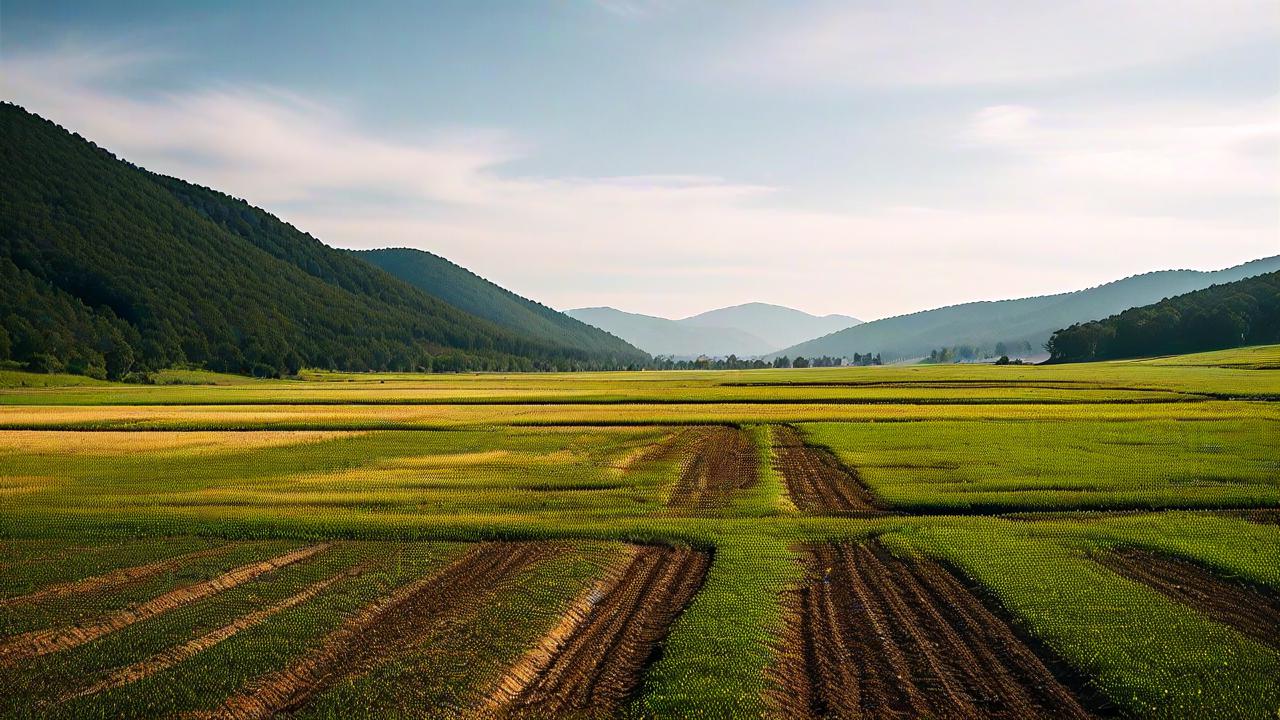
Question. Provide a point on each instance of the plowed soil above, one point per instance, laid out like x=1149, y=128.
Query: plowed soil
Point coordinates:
x=593, y=661
x=43, y=642
x=723, y=461
x=1253, y=611
x=389, y=627
x=875, y=636
x=816, y=481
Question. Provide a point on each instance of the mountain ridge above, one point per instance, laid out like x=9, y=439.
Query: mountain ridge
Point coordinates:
x=1016, y=321
x=108, y=268
x=746, y=330
x=450, y=282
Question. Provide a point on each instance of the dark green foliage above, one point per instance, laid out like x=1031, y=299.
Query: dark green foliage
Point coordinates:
x=1245, y=312
x=106, y=268
x=464, y=289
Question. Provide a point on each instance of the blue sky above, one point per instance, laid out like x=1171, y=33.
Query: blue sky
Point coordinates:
x=670, y=156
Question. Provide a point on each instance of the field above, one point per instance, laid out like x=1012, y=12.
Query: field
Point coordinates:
x=1094, y=540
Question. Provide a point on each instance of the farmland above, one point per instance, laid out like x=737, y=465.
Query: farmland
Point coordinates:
x=945, y=541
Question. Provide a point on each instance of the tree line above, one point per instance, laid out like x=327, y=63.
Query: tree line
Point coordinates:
x=1244, y=312
x=733, y=362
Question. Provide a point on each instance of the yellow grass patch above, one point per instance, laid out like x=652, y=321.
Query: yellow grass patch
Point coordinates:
x=185, y=442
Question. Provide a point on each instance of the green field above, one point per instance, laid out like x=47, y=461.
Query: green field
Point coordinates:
x=131, y=513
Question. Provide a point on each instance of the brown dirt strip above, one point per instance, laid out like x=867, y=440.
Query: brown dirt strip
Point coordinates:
x=1261, y=516
x=593, y=661
x=1254, y=611
x=877, y=636
x=389, y=627
x=816, y=481
x=116, y=578
x=180, y=653
x=724, y=461
x=42, y=642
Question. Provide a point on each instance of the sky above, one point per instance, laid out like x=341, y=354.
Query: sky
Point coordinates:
x=865, y=157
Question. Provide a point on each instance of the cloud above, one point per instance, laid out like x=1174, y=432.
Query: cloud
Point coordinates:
x=634, y=9
x=1218, y=151
x=670, y=244
x=984, y=42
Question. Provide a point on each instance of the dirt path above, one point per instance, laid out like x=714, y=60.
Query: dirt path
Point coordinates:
x=816, y=481
x=43, y=642
x=1253, y=611
x=116, y=578
x=874, y=636
x=593, y=660
x=387, y=628
x=723, y=461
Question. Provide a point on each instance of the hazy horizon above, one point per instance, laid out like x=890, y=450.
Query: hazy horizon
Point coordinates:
x=667, y=158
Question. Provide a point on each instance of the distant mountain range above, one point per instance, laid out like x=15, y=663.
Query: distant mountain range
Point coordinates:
x=745, y=330
x=1022, y=322
x=106, y=268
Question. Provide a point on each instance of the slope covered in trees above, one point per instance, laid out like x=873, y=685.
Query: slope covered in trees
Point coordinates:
x=1245, y=312
x=1016, y=323
x=463, y=289
x=106, y=268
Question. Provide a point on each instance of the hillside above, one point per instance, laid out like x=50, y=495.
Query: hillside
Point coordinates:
x=1028, y=321
x=106, y=268
x=467, y=291
x=778, y=326
x=1244, y=312
x=660, y=336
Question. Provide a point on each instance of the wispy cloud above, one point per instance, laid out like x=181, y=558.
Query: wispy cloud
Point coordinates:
x=1209, y=152
x=668, y=244
x=984, y=42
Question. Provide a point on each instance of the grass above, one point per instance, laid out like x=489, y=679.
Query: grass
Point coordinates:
x=404, y=468
x=949, y=466
x=1149, y=655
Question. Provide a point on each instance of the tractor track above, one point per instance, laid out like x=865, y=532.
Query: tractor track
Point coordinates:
x=115, y=578
x=594, y=659
x=387, y=628
x=42, y=642
x=816, y=481
x=723, y=461
x=1253, y=611
x=873, y=635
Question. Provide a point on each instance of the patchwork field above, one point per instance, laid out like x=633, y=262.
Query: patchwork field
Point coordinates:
x=1089, y=540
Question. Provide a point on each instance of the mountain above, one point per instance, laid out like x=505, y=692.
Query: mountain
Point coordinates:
x=778, y=326
x=746, y=330
x=660, y=336
x=1016, y=323
x=1244, y=312
x=467, y=291
x=107, y=268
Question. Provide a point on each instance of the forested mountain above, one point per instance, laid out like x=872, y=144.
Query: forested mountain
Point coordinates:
x=778, y=326
x=107, y=268
x=465, y=290
x=660, y=336
x=1244, y=312
x=1016, y=323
